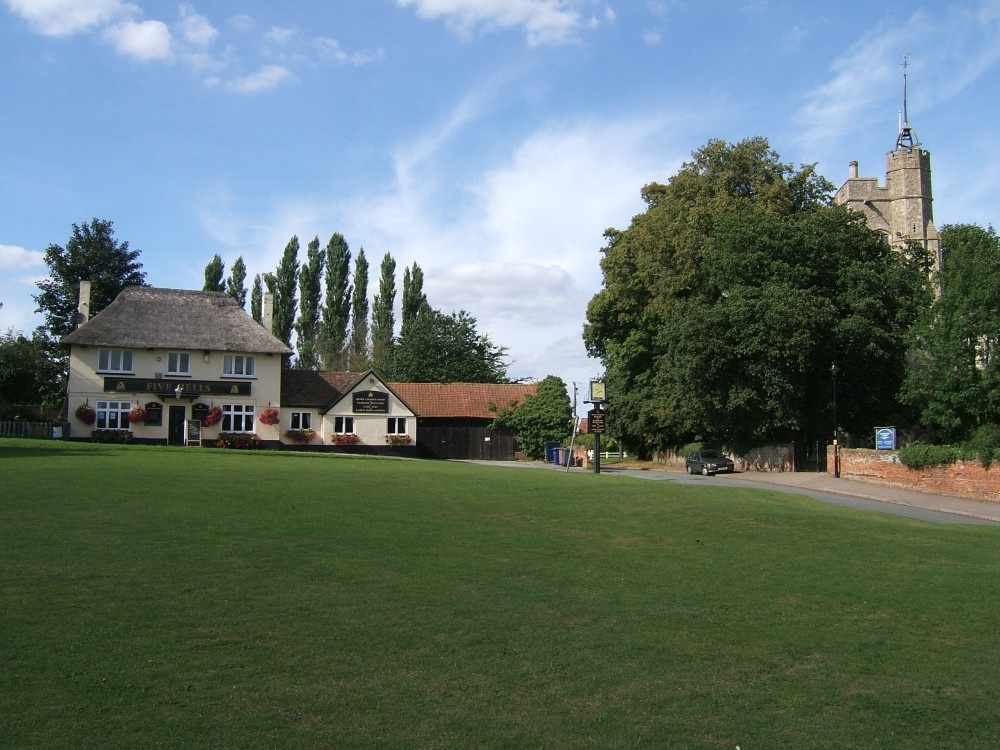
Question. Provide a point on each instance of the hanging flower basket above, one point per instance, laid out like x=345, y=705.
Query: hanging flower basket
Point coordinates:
x=397, y=439
x=345, y=440
x=269, y=416
x=86, y=414
x=138, y=415
x=301, y=437
x=212, y=417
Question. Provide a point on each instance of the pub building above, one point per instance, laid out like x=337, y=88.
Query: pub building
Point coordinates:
x=183, y=367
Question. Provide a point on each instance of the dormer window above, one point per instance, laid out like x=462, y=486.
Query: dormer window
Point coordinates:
x=114, y=360
x=178, y=363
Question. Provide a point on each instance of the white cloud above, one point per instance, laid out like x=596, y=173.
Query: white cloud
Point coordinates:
x=652, y=37
x=330, y=49
x=143, y=40
x=266, y=78
x=279, y=34
x=66, y=17
x=543, y=21
x=13, y=257
x=196, y=29
x=965, y=48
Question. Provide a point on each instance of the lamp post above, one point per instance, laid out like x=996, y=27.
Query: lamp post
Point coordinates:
x=834, y=372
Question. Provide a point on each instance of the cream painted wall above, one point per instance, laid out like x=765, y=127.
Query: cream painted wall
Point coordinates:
x=370, y=428
x=87, y=385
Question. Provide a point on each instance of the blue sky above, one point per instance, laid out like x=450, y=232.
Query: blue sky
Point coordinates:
x=489, y=141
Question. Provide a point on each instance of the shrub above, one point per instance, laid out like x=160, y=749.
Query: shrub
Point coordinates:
x=984, y=444
x=919, y=455
x=111, y=436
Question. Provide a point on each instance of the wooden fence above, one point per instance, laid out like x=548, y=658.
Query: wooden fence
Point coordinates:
x=22, y=428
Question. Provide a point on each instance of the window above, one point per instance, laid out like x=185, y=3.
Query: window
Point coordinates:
x=113, y=415
x=301, y=420
x=238, y=366
x=343, y=425
x=396, y=426
x=114, y=360
x=237, y=417
x=178, y=363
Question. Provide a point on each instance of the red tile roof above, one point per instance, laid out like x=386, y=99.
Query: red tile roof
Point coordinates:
x=470, y=400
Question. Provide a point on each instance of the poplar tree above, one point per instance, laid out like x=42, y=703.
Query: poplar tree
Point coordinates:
x=337, y=306
x=358, y=358
x=414, y=299
x=383, y=318
x=285, y=280
x=257, y=300
x=236, y=283
x=310, y=291
x=214, y=273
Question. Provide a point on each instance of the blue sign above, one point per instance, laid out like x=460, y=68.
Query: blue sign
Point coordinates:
x=885, y=438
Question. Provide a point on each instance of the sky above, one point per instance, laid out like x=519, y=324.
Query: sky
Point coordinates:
x=491, y=142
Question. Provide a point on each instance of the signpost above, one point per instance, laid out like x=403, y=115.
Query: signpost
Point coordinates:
x=595, y=419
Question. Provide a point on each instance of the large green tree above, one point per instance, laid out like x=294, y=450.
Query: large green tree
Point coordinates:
x=215, y=273
x=91, y=253
x=954, y=378
x=543, y=416
x=337, y=304
x=236, y=283
x=726, y=301
x=284, y=286
x=439, y=348
x=31, y=372
x=359, y=357
x=383, y=316
x=310, y=294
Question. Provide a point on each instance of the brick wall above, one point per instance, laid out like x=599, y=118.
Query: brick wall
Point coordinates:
x=962, y=478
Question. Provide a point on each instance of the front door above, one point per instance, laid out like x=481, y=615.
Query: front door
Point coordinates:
x=175, y=425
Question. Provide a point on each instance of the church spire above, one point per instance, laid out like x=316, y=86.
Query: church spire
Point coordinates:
x=907, y=137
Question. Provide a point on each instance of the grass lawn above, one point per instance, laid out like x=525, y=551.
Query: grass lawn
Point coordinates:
x=188, y=598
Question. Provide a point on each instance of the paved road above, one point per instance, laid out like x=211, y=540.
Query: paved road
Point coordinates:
x=851, y=493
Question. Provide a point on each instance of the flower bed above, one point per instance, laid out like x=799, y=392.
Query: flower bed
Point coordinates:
x=397, y=440
x=238, y=440
x=111, y=436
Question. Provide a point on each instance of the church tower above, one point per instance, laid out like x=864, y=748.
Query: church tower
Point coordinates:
x=902, y=210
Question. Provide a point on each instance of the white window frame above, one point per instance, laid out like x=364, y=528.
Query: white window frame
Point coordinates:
x=395, y=426
x=301, y=420
x=238, y=417
x=113, y=415
x=178, y=363
x=239, y=366
x=343, y=425
x=115, y=360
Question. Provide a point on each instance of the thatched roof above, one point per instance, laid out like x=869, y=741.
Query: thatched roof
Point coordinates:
x=150, y=318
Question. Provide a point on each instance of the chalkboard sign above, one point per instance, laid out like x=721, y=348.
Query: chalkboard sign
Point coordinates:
x=192, y=432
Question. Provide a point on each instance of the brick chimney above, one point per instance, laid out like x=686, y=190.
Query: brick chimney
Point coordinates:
x=267, y=312
x=83, y=308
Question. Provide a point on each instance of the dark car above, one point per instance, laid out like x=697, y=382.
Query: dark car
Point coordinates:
x=708, y=462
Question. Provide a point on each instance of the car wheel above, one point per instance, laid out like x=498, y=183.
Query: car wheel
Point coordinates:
x=690, y=469
x=705, y=471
